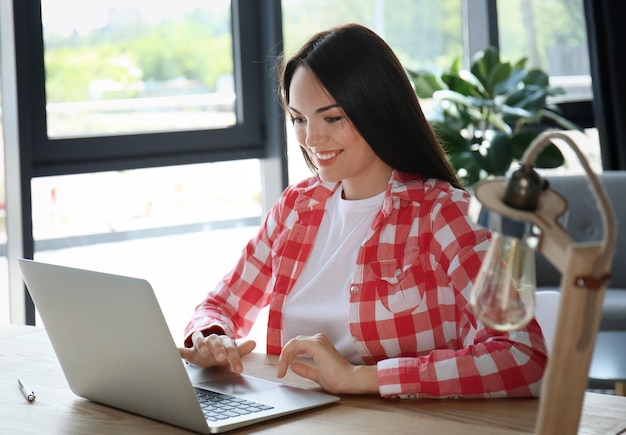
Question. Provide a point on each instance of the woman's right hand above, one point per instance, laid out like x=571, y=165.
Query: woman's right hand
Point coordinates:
x=216, y=350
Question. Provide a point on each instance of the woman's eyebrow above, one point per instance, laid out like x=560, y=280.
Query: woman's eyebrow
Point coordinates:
x=320, y=110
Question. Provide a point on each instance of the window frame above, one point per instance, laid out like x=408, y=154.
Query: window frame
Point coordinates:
x=53, y=156
x=259, y=131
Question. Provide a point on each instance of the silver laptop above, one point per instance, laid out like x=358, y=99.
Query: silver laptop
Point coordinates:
x=115, y=348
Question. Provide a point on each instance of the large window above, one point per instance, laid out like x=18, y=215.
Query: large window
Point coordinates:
x=131, y=66
x=552, y=35
x=129, y=83
x=145, y=124
x=180, y=227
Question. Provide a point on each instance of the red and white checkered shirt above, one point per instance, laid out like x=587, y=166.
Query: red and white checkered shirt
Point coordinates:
x=409, y=294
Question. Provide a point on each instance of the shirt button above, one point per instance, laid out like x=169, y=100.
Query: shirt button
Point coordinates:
x=354, y=289
x=398, y=272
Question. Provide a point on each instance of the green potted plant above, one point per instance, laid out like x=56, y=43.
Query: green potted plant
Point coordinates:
x=486, y=117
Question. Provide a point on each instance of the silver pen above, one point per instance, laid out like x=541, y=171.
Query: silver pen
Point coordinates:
x=27, y=392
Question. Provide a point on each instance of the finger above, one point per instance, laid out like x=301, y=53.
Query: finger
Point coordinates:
x=192, y=357
x=199, y=343
x=284, y=360
x=233, y=357
x=185, y=353
x=216, y=345
x=245, y=347
x=293, y=348
x=305, y=370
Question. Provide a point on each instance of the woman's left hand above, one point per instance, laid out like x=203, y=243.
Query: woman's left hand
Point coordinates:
x=332, y=371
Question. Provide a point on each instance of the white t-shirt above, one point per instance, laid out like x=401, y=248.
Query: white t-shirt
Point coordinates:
x=320, y=298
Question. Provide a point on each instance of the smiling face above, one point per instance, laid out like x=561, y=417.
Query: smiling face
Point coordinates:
x=331, y=140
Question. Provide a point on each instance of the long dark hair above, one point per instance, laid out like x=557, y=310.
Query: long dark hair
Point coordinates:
x=367, y=80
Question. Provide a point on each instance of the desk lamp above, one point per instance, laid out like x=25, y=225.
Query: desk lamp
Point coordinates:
x=585, y=268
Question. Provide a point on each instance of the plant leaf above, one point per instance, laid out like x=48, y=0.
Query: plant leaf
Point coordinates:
x=450, y=138
x=457, y=65
x=453, y=96
x=463, y=84
x=550, y=157
x=516, y=112
x=537, y=77
x=486, y=117
x=458, y=106
x=532, y=100
x=521, y=141
x=512, y=82
x=498, y=121
x=521, y=63
x=498, y=75
x=483, y=63
x=499, y=155
x=560, y=120
x=425, y=83
x=466, y=167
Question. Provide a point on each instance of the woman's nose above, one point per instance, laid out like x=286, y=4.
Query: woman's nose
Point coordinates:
x=315, y=136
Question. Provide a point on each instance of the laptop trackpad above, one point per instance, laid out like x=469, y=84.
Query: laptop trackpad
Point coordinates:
x=238, y=385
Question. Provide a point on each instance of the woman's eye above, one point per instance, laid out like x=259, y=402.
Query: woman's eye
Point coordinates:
x=297, y=120
x=334, y=118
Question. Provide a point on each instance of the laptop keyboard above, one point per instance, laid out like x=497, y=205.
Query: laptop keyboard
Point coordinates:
x=218, y=406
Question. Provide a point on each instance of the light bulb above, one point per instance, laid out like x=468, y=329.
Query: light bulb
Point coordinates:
x=503, y=296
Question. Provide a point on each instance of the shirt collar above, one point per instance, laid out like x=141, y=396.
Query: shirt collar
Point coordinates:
x=318, y=191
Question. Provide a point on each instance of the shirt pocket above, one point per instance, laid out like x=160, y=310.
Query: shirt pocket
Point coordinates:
x=396, y=284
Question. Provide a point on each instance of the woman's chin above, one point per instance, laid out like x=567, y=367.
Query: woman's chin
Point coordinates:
x=328, y=178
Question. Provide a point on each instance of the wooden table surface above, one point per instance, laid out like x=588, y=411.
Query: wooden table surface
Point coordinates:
x=25, y=352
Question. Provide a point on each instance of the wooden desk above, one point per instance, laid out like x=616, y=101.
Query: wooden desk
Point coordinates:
x=26, y=352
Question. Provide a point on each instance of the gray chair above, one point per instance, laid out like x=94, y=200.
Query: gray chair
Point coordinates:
x=582, y=221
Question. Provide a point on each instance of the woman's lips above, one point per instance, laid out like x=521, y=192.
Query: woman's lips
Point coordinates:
x=326, y=158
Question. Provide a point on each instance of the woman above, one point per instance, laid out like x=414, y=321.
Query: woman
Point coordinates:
x=368, y=265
